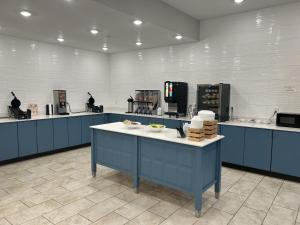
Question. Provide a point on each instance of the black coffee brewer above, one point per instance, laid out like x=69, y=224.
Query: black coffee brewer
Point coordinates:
x=90, y=106
x=14, y=110
x=176, y=95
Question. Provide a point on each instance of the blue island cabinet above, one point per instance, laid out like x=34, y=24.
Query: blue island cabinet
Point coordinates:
x=172, y=123
x=232, y=148
x=60, y=131
x=286, y=153
x=8, y=141
x=27, y=138
x=74, y=131
x=44, y=135
x=258, y=148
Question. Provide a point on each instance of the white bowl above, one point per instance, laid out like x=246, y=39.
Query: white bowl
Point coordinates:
x=152, y=129
x=133, y=125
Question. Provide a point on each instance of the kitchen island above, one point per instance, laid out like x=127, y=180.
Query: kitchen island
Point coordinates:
x=162, y=158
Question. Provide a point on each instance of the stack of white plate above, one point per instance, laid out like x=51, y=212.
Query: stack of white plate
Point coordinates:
x=204, y=115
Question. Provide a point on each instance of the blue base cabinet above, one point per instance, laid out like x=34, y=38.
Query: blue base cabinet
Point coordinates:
x=44, y=136
x=60, y=131
x=286, y=153
x=173, y=124
x=141, y=119
x=232, y=147
x=112, y=118
x=99, y=119
x=74, y=131
x=27, y=138
x=258, y=148
x=86, y=122
x=8, y=141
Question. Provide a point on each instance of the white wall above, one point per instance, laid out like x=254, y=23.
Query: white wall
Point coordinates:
x=32, y=70
x=258, y=53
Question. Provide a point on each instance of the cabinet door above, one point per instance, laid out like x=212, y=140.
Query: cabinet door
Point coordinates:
x=286, y=153
x=45, y=135
x=60, y=133
x=169, y=123
x=258, y=148
x=74, y=131
x=232, y=147
x=27, y=138
x=99, y=119
x=115, y=118
x=8, y=141
x=86, y=122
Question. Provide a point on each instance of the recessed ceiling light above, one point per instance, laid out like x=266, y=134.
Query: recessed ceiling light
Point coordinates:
x=105, y=48
x=138, y=43
x=178, y=37
x=94, y=31
x=238, y=1
x=25, y=13
x=60, y=39
x=137, y=22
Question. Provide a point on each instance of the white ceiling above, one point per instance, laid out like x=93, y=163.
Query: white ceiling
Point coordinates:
x=74, y=18
x=205, y=9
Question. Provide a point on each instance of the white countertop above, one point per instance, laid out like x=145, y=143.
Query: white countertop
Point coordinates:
x=166, y=135
x=44, y=117
x=271, y=126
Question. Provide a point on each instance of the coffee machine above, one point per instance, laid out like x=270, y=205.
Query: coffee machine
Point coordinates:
x=176, y=95
x=91, y=107
x=60, y=102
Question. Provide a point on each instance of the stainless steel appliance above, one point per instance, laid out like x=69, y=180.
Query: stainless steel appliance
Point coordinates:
x=176, y=95
x=288, y=120
x=130, y=104
x=146, y=101
x=214, y=97
x=60, y=102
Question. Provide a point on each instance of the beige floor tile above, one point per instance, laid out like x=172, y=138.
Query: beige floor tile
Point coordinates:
x=111, y=219
x=60, y=181
x=4, y=222
x=181, y=216
x=67, y=211
x=269, y=185
x=260, y=201
x=114, y=189
x=280, y=216
x=17, y=196
x=214, y=217
x=298, y=217
x=243, y=187
x=38, y=221
x=98, y=196
x=45, y=196
x=164, y=209
x=75, y=220
x=252, y=177
x=136, y=207
x=2, y=193
x=75, y=195
x=128, y=195
x=292, y=186
x=101, y=209
x=11, y=208
x=288, y=199
x=229, y=202
x=102, y=183
x=208, y=201
x=247, y=216
x=31, y=213
x=147, y=218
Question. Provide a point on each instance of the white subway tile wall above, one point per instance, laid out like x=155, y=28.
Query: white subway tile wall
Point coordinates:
x=257, y=52
x=33, y=69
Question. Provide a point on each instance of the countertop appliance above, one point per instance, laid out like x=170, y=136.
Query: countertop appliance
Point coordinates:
x=176, y=95
x=130, y=104
x=60, y=102
x=216, y=98
x=288, y=120
x=14, y=110
x=91, y=107
x=146, y=102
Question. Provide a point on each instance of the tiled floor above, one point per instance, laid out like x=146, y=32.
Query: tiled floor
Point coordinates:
x=59, y=189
